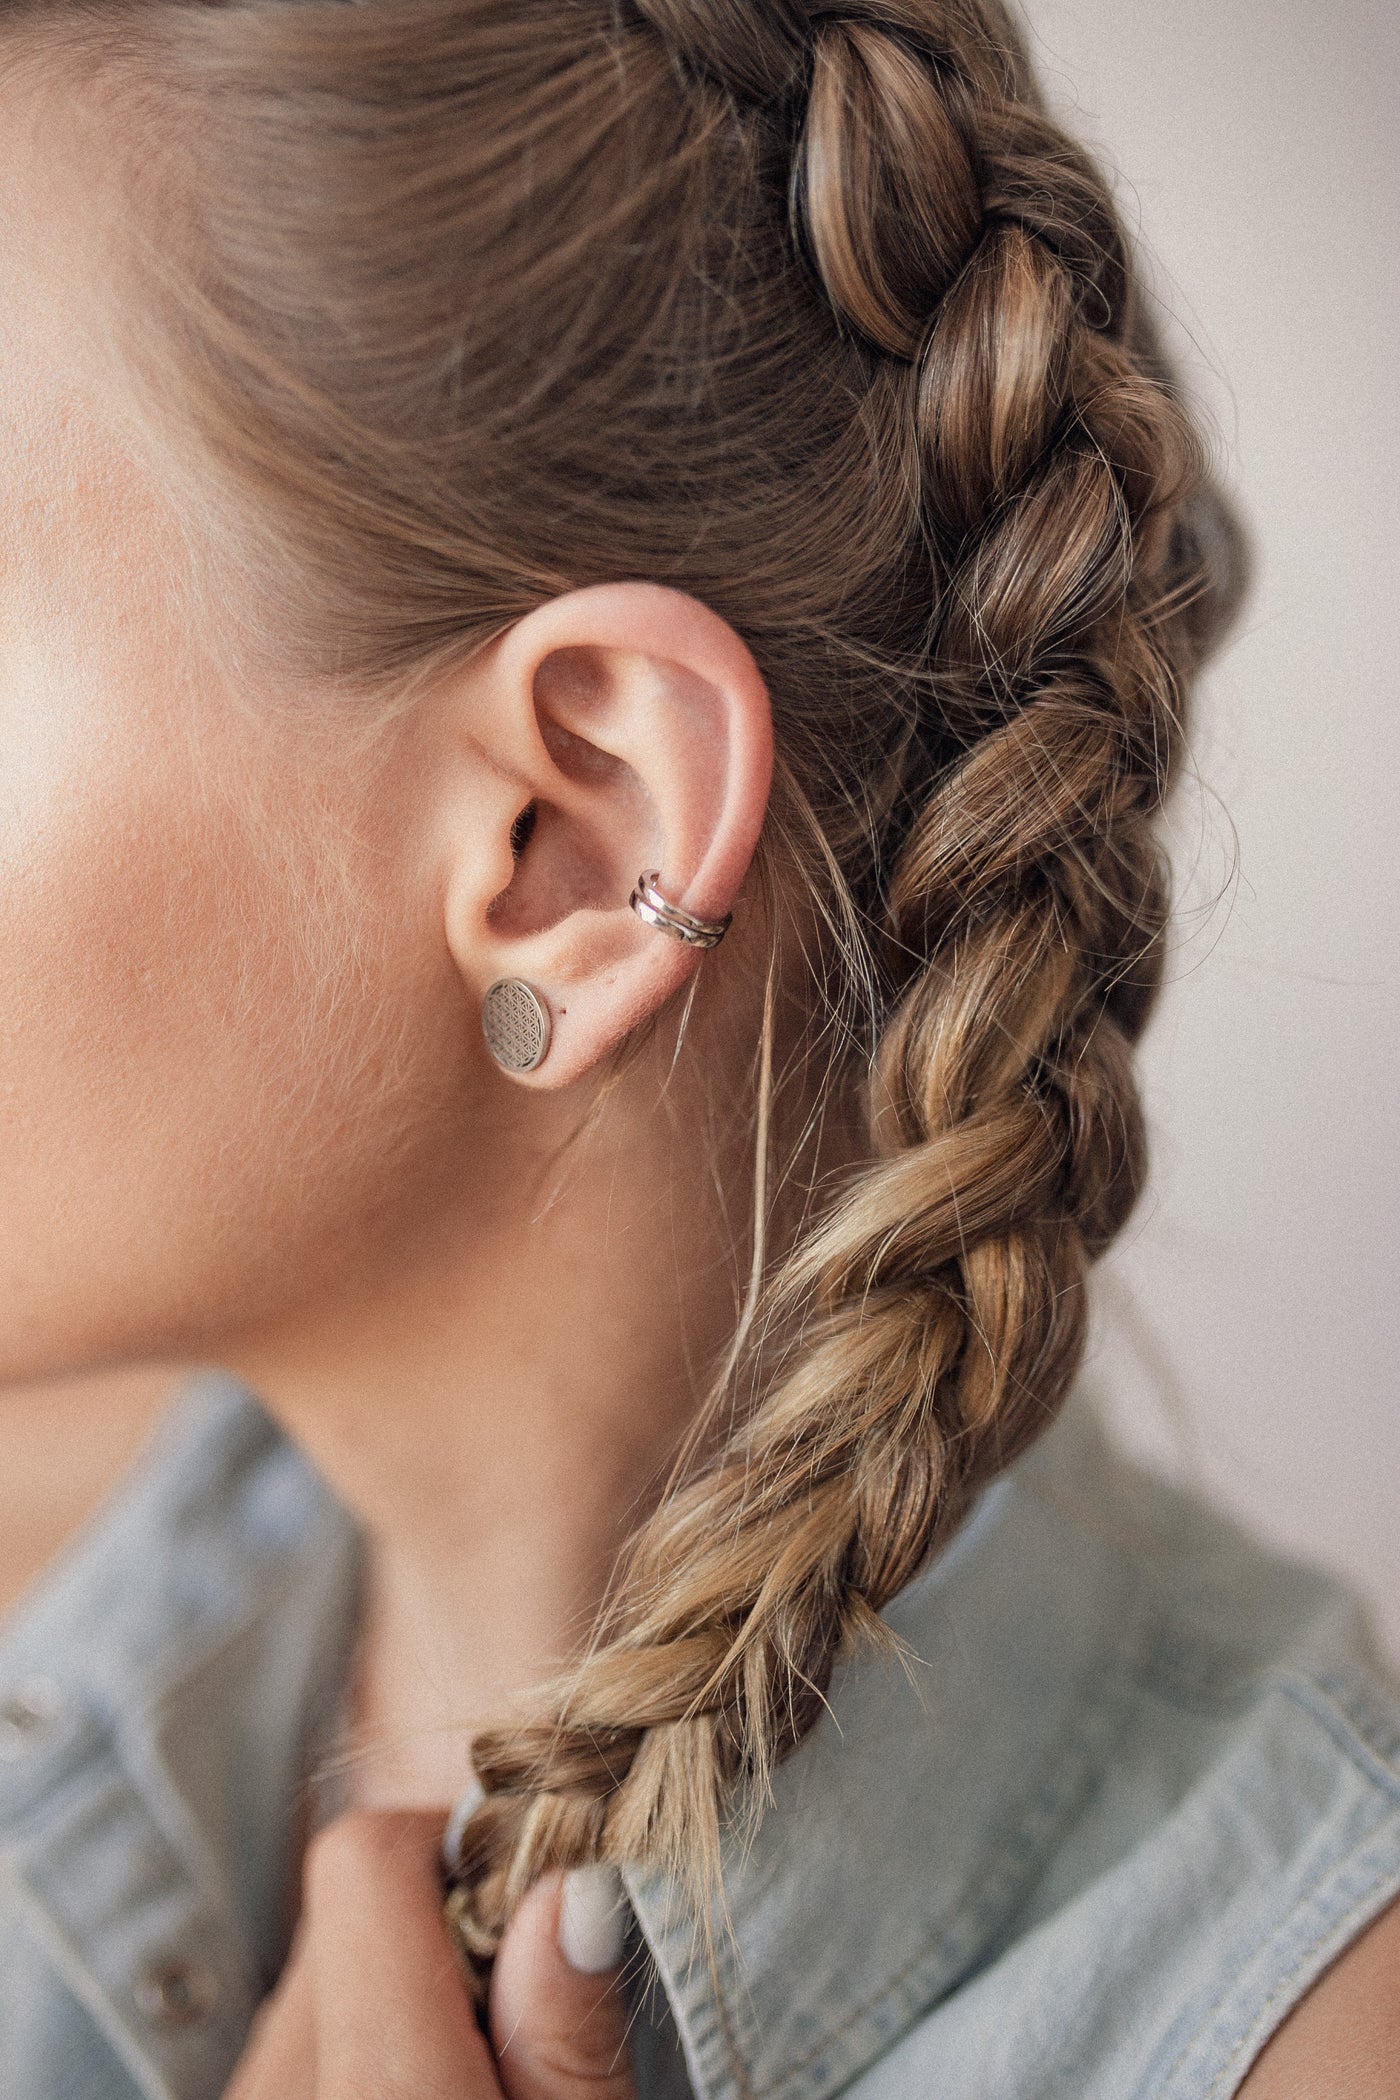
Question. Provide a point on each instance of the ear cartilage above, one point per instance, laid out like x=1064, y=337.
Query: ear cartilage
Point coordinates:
x=648, y=903
x=515, y=1023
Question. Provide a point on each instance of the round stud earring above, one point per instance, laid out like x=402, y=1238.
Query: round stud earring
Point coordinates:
x=515, y=1023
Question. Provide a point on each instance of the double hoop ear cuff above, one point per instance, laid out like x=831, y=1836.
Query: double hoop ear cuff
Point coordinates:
x=649, y=904
x=514, y=1018
x=515, y=1023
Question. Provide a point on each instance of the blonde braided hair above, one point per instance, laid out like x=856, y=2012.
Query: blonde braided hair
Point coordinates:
x=939, y=1309
x=814, y=313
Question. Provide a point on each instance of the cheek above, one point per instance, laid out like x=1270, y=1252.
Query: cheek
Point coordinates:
x=231, y=1052
x=229, y=1059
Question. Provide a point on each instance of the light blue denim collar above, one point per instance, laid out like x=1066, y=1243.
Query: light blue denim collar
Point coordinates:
x=180, y=1662
x=161, y=1691
x=905, y=1834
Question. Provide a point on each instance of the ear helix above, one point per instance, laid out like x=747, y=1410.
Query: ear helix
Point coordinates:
x=516, y=1024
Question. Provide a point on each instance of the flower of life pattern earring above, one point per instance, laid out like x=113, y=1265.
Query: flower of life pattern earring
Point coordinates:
x=515, y=1023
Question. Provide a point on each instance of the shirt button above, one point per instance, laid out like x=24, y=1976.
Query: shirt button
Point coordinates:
x=175, y=1992
x=26, y=1717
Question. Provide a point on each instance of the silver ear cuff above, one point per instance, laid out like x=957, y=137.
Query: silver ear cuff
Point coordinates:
x=515, y=1023
x=658, y=911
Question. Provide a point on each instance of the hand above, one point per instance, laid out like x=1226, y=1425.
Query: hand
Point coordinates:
x=373, y=2004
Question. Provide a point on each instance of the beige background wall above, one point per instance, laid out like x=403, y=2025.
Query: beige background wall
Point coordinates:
x=1250, y=1323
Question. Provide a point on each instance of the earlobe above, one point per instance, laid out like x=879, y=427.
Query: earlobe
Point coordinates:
x=635, y=727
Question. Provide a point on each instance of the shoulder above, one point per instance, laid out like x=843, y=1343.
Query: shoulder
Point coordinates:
x=1175, y=1757
x=1229, y=1874
x=1343, y=2038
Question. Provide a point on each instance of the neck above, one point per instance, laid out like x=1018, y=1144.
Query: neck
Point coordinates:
x=499, y=1420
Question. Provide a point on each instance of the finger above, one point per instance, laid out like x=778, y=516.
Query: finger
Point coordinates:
x=279, y=2062
x=393, y=2014
x=558, y=2022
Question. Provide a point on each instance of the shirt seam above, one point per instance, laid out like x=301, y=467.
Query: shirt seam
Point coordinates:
x=1233, y=2075
x=1323, y=1695
x=1288, y=1990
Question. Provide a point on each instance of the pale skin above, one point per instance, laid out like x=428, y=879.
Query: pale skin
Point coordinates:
x=247, y=1116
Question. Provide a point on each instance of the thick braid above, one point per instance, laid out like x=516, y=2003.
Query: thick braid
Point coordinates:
x=936, y=1316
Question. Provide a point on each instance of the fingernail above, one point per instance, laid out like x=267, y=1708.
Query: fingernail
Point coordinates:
x=592, y=1918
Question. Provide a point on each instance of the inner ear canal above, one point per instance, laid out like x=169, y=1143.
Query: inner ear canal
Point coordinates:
x=557, y=870
x=499, y=910
x=523, y=829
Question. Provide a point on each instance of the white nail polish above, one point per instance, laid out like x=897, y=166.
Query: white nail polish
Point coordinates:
x=592, y=1919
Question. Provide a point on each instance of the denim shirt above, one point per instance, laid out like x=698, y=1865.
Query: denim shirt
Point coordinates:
x=1126, y=1788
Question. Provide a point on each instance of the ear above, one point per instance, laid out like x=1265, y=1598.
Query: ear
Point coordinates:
x=623, y=728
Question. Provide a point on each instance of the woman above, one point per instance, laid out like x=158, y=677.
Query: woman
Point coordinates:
x=548, y=481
